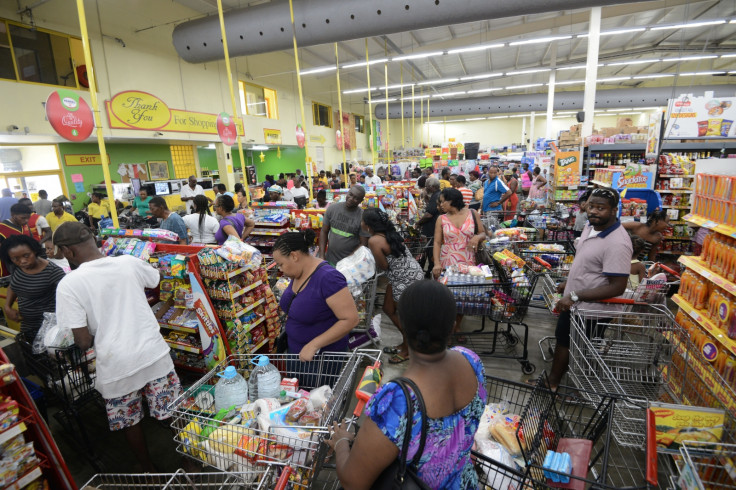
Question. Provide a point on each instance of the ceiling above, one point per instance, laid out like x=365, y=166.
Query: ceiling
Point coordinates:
x=665, y=44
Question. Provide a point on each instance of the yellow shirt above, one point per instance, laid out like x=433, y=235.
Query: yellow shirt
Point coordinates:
x=444, y=184
x=97, y=210
x=55, y=221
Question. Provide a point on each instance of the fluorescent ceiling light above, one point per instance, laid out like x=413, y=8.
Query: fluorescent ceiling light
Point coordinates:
x=540, y=40
x=689, y=58
x=319, y=70
x=728, y=56
x=480, y=47
x=359, y=90
x=626, y=113
x=417, y=56
x=699, y=73
x=417, y=97
x=614, y=32
x=513, y=87
x=519, y=115
x=575, y=67
x=498, y=117
x=612, y=79
x=475, y=119
x=442, y=80
x=363, y=63
x=631, y=62
x=398, y=85
x=479, y=77
x=570, y=82
x=433, y=122
x=661, y=75
x=690, y=25
x=483, y=90
x=259, y=147
x=527, y=72
x=379, y=101
x=448, y=94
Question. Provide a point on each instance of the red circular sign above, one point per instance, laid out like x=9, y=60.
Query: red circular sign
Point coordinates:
x=300, y=140
x=226, y=128
x=69, y=115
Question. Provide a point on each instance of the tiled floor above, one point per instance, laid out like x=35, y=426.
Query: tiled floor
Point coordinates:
x=113, y=455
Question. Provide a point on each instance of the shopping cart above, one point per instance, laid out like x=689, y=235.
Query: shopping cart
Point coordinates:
x=643, y=355
x=231, y=446
x=704, y=466
x=563, y=421
x=188, y=481
x=417, y=246
x=502, y=300
x=69, y=376
x=365, y=302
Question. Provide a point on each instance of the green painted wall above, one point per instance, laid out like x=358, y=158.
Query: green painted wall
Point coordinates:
x=118, y=154
x=291, y=159
x=207, y=159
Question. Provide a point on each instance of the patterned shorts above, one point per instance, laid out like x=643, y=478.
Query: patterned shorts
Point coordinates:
x=127, y=410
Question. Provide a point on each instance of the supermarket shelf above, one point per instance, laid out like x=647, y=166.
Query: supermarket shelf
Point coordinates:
x=709, y=143
x=673, y=252
x=254, y=325
x=24, y=480
x=178, y=328
x=695, y=264
x=248, y=288
x=705, y=322
x=258, y=347
x=236, y=272
x=12, y=431
x=619, y=147
x=602, y=184
x=667, y=176
x=242, y=312
x=680, y=222
x=711, y=225
x=674, y=191
x=267, y=233
x=268, y=224
x=682, y=238
x=184, y=347
x=675, y=207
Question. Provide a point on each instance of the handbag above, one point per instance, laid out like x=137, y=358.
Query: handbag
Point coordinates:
x=398, y=475
x=282, y=342
x=482, y=255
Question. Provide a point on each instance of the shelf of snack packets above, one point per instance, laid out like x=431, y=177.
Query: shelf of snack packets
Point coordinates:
x=707, y=295
x=272, y=220
x=29, y=457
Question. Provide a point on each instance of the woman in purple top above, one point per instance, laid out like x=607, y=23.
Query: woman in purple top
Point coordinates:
x=231, y=224
x=321, y=311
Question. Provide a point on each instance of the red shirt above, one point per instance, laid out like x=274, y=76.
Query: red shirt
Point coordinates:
x=467, y=195
x=8, y=228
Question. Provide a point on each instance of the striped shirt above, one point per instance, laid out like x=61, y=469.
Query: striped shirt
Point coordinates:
x=467, y=195
x=36, y=296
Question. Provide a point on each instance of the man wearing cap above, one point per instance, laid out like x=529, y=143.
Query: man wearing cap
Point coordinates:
x=273, y=194
x=104, y=303
x=341, y=232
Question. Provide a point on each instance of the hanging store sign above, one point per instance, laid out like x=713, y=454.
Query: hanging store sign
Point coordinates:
x=701, y=117
x=142, y=111
x=272, y=136
x=79, y=160
x=69, y=115
x=567, y=168
x=226, y=128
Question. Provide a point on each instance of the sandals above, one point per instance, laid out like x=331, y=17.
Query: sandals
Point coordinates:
x=391, y=349
x=397, y=359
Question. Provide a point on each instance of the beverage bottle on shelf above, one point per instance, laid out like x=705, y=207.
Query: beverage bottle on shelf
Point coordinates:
x=701, y=295
x=265, y=380
x=685, y=285
x=230, y=390
x=731, y=269
x=729, y=370
x=706, y=247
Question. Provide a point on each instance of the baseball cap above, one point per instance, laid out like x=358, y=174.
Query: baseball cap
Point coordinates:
x=71, y=233
x=276, y=188
x=508, y=173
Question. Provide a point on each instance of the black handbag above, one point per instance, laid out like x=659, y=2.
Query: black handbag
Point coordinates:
x=399, y=475
x=482, y=255
x=282, y=342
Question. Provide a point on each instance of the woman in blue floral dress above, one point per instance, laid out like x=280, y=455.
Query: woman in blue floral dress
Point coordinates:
x=451, y=381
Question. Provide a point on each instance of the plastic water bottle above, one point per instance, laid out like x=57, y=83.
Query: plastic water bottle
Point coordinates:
x=265, y=380
x=232, y=389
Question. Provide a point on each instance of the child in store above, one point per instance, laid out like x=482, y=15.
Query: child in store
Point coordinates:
x=638, y=269
x=581, y=217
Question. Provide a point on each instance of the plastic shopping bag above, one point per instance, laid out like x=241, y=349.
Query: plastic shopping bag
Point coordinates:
x=51, y=336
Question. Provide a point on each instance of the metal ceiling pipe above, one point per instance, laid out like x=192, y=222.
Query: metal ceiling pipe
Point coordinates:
x=605, y=99
x=265, y=28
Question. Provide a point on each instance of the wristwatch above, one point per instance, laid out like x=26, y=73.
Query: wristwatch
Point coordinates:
x=574, y=296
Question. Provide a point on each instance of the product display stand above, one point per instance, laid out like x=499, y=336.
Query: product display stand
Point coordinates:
x=31, y=427
x=272, y=221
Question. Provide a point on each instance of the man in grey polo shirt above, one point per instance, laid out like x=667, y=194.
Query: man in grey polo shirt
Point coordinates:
x=600, y=271
x=341, y=233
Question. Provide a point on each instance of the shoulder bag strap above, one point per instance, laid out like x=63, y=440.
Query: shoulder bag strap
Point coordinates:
x=423, y=413
x=475, y=221
x=402, y=382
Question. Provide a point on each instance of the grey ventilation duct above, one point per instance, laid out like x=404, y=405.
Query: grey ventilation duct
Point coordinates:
x=604, y=99
x=267, y=27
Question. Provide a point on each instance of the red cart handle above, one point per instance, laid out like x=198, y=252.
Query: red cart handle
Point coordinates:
x=284, y=478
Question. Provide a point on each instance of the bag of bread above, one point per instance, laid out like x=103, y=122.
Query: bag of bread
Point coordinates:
x=504, y=432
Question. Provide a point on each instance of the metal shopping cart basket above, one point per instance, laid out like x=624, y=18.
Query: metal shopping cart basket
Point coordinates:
x=563, y=421
x=502, y=300
x=69, y=375
x=186, y=481
x=232, y=446
x=365, y=301
x=418, y=246
x=642, y=355
x=704, y=466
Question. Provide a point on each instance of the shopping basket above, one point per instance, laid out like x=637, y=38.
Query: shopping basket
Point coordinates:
x=553, y=259
x=247, y=449
x=642, y=355
x=418, y=246
x=185, y=481
x=563, y=421
x=502, y=301
x=704, y=466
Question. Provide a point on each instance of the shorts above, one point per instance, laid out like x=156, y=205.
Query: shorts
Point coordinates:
x=562, y=331
x=127, y=410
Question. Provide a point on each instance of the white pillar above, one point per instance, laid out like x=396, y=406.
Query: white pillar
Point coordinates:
x=523, y=131
x=591, y=70
x=531, y=132
x=549, y=132
x=225, y=165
